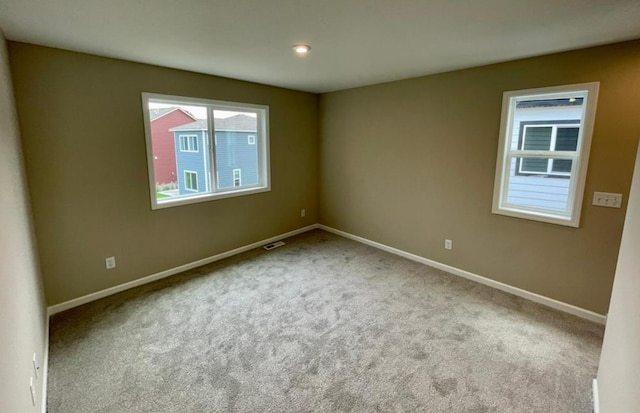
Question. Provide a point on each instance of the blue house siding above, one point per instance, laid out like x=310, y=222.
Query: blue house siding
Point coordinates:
x=233, y=151
x=192, y=161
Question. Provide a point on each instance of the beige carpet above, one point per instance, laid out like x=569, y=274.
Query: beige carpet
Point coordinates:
x=323, y=324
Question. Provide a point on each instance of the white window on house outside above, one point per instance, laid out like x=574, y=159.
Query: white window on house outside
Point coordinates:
x=237, y=177
x=543, y=153
x=547, y=137
x=191, y=180
x=188, y=143
x=211, y=129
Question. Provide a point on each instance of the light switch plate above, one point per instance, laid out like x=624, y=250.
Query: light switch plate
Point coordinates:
x=607, y=199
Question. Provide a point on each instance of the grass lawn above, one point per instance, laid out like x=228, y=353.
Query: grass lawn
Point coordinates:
x=160, y=195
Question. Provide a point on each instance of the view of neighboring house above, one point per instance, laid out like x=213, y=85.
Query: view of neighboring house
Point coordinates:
x=546, y=125
x=236, y=154
x=164, y=152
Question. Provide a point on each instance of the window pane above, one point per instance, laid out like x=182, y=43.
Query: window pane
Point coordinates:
x=567, y=139
x=234, y=150
x=561, y=165
x=534, y=165
x=540, y=190
x=537, y=138
x=194, y=182
x=176, y=136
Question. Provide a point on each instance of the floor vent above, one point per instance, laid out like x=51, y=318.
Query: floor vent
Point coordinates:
x=273, y=245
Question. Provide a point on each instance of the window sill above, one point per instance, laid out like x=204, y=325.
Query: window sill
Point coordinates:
x=186, y=200
x=547, y=218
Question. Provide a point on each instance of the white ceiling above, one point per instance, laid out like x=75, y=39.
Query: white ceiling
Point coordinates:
x=354, y=42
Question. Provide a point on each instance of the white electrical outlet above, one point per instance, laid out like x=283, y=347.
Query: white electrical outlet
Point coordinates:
x=302, y=213
x=32, y=390
x=36, y=367
x=607, y=199
x=448, y=244
x=110, y=262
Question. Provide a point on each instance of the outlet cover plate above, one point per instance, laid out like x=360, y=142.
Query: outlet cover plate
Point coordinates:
x=607, y=199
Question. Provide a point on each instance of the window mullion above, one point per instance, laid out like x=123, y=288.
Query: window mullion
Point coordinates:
x=260, y=142
x=211, y=133
x=552, y=147
x=544, y=154
x=554, y=135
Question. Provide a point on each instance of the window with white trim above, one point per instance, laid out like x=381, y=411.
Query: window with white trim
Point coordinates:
x=547, y=136
x=543, y=153
x=191, y=180
x=188, y=143
x=211, y=159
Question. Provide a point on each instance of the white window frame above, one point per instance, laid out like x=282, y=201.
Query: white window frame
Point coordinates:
x=215, y=192
x=233, y=177
x=552, y=146
x=189, y=143
x=251, y=139
x=580, y=158
x=187, y=171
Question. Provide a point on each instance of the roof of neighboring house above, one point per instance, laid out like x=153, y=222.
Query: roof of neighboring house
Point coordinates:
x=156, y=113
x=238, y=123
x=548, y=103
x=200, y=124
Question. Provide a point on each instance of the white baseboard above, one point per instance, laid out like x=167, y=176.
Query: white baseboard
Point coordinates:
x=57, y=308
x=549, y=302
x=596, y=397
x=558, y=305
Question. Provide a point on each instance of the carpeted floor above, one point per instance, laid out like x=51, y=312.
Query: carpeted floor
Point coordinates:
x=323, y=324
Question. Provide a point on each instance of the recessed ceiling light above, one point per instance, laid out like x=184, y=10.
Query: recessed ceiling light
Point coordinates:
x=301, y=48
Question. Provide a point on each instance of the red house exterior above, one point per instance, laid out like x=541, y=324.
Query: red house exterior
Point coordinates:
x=164, y=152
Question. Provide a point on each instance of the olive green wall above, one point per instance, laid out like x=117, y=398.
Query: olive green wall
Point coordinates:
x=84, y=147
x=412, y=162
x=406, y=163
